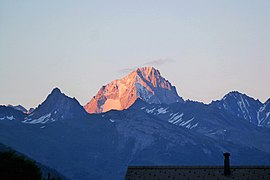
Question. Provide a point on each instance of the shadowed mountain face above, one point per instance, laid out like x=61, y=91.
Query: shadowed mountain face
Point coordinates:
x=19, y=108
x=187, y=133
x=56, y=106
x=9, y=113
x=156, y=129
x=143, y=83
x=101, y=146
x=209, y=121
x=245, y=107
x=239, y=105
x=264, y=114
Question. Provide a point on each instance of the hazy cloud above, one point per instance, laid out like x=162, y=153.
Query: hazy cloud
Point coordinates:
x=158, y=62
x=126, y=70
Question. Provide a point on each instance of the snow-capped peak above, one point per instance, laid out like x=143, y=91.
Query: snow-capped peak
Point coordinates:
x=145, y=83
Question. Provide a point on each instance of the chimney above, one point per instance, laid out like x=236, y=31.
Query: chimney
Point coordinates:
x=227, y=169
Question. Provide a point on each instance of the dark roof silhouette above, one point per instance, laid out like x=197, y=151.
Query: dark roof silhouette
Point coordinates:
x=196, y=172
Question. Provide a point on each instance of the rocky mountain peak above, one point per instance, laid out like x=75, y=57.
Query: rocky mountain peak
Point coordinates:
x=56, y=106
x=145, y=83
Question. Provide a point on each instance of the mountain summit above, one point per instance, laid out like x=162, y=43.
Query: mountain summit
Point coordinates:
x=144, y=83
x=240, y=105
x=56, y=106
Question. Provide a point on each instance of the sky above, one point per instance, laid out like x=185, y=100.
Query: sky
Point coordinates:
x=204, y=48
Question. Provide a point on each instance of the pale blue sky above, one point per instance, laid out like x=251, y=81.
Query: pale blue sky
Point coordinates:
x=209, y=47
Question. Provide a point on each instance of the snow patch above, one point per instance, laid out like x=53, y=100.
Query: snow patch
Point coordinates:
x=267, y=114
x=247, y=102
x=10, y=118
x=243, y=108
x=195, y=125
x=225, y=106
x=53, y=120
x=150, y=111
x=162, y=111
x=42, y=119
x=185, y=123
x=176, y=119
x=173, y=115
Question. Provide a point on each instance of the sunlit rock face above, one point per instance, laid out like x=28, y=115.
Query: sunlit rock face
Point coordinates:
x=145, y=83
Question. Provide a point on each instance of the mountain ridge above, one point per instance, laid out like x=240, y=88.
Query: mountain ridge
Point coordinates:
x=18, y=107
x=240, y=105
x=180, y=133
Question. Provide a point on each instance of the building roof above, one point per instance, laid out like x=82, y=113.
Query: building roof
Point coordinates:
x=196, y=172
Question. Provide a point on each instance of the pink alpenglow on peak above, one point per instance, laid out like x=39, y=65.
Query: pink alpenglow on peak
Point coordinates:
x=145, y=83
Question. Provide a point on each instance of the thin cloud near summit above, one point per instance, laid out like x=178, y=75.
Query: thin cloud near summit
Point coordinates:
x=158, y=62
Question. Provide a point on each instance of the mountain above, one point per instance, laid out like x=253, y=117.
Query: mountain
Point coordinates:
x=19, y=108
x=154, y=129
x=263, y=115
x=22, y=109
x=9, y=113
x=145, y=83
x=206, y=120
x=57, y=106
x=101, y=146
x=30, y=110
x=239, y=105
